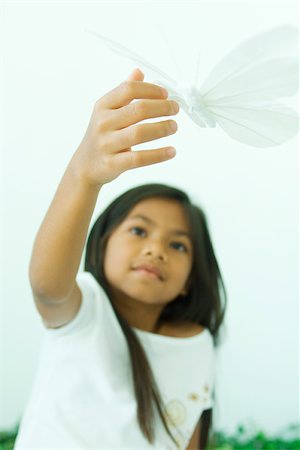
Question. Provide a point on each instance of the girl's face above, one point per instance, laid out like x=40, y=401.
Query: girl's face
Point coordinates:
x=155, y=234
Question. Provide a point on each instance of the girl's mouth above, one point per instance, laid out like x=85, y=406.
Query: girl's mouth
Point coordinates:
x=148, y=273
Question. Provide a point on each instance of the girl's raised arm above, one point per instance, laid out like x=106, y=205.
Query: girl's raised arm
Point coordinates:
x=104, y=153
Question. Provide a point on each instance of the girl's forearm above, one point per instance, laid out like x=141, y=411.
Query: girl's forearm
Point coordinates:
x=60, y=240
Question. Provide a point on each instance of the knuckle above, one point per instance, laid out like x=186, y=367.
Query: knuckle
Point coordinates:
x=132, y=160
x=127, y=87
x=136, y=133
x=127, y=113
x=139, y=109
x=98, y=105
x=124, y=138
x=105, y=145
x=122, y=85
x=109, y=163
x=103, y=123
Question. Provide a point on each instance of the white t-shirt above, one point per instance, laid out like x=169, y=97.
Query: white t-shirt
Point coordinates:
x=83, y=396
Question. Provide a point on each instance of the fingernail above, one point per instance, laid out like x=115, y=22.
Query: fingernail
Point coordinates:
x=171, y=151
x=164, y=92
x=173, y=125
x=175, y=107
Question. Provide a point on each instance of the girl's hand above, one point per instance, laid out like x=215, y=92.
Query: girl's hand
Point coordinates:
x=105, y=151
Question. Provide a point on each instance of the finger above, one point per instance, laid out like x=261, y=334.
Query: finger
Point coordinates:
x=130, y=90
x=133, y=159
x=141, y=110
x=127, y=137
x=136, y=75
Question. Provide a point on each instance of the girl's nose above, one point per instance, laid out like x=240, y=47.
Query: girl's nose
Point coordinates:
x=156, y=251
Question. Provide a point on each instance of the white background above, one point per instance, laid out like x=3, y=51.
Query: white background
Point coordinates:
x=53, y=74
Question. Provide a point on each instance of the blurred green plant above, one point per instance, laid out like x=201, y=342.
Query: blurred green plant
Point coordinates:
x=242, y=439
x=7, y=438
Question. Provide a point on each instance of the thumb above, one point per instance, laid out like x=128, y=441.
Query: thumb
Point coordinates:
x=136, y=75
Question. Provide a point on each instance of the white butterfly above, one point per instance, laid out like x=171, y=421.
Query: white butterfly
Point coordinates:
x=240, y=92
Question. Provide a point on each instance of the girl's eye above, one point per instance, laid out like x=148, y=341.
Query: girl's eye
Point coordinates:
x=177, y=245
x=139, y=230
x=182, y=246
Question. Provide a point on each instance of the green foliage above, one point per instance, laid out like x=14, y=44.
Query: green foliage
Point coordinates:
x=7, y=438
x=241, y=440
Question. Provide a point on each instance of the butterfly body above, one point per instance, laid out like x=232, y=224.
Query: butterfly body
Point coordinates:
x=191, y=101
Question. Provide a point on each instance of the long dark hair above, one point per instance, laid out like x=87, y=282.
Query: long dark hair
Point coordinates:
x=205, y=283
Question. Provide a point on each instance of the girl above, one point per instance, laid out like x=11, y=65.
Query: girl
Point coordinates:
x=128, y=356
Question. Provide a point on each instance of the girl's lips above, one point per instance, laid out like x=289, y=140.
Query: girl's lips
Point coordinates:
x=149, y=271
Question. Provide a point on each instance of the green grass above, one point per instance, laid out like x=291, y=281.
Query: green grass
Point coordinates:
x=239, y=441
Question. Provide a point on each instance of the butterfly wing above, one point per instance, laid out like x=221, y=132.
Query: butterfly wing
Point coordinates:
x=163, y=80
x=262, y=83
x=253, y=56
x=264, y=126
x=241, y=90
x=124, y=51
x=228, y=95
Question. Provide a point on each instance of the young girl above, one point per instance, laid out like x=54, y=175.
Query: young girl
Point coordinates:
x=128, y=358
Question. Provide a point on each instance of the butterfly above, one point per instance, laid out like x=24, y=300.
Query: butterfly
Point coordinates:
x=241, y=91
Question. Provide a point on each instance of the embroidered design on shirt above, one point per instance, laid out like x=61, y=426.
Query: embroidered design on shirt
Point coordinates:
x=195, y=396
x=175, y=413
x=206, y=390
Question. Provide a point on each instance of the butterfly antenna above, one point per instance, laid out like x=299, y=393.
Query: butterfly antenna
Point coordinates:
x=171, y=53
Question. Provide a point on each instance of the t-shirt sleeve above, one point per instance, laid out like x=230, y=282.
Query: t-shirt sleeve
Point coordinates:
x=87, y=312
